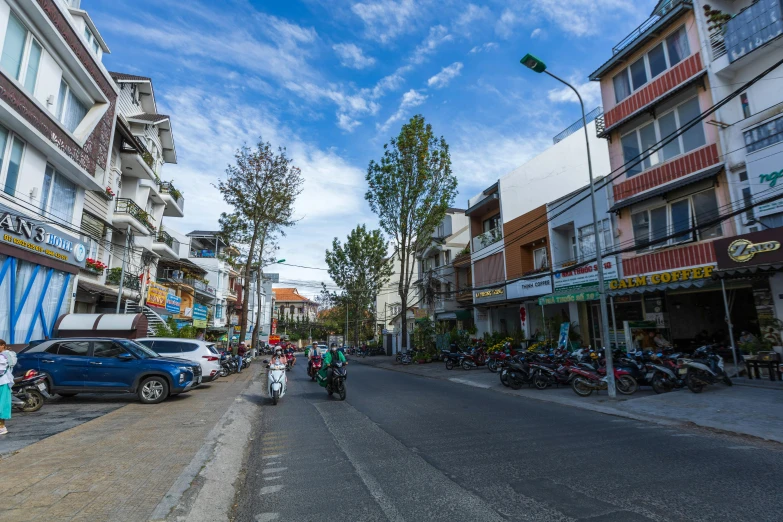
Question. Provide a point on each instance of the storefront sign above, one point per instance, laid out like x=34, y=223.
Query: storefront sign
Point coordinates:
x=274, y=339
x=531, y=287
x=157, y=295
x=573, y=297
x=673, y=276
x=586, y=275
x=199, y=315
x=757, y=248
x=28, y=234
x=173, y=303
x=765, y=168
x=492, y=294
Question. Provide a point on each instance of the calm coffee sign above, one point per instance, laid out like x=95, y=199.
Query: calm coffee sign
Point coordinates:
x=758, y=248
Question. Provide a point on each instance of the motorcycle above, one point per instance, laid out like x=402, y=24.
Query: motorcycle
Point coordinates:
x=337, y=383
x=28, y=392
x=454, y=359
x=473, y=360
x=495, y=359
x=276, y=381
x=515, y=372
x=587, y=379
x=663, y=375
x=545, y=375
x=706, y=368
x=290, y=360
x=314, y=366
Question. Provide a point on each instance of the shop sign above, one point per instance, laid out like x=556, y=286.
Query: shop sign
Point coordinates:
x=489, y=295
x=274, y=339
x=575, y=297
x=673, y=276
x=199, y=315
x=586, y=275
x=764, y=173
x=530, y=287
x=29, y=234
x=757, y=248
x=157, y=295
x=173, y=303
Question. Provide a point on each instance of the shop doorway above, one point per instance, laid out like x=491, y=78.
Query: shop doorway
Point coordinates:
x=596, y=339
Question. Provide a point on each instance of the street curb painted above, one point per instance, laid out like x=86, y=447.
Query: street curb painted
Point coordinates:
x=607, y=410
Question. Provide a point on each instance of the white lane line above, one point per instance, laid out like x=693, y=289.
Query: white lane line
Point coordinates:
x=266, y=490
x=271, y=456
x=470, y=383
x=267, y=471
x=272, y=478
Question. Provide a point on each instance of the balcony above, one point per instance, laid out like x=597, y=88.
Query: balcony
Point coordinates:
x=175, y=203
x=486, y=239
x=753, y=28
x=465, y=296
x=127, y=212
x=166, y=246
x=201, y=287
x=649, y=25
x=231, y=295
x=114, y=276
x=577, y=125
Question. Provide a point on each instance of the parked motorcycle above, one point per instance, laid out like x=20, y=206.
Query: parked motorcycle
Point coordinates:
x=28, y=392
x=515, y=372
x=276, y=381
x=545, y=375
x=588, y=379
x=454, y=359
x=472, y=360
x=337, y=383
x=495, y=359
x=705, y=368
x=314, y=366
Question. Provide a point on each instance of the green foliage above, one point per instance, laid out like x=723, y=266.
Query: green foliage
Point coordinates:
x=424, y=334
x=410, y=190
x=169, y=329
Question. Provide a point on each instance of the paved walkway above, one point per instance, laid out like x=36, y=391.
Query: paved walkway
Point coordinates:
x=118, y=466
x=743, y=410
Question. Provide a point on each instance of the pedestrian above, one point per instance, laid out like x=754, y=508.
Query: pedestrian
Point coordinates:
x=241, y=351
x=6, y=381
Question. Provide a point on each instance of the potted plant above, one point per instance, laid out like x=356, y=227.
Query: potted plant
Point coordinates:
x=93, y=265
x=109, y=193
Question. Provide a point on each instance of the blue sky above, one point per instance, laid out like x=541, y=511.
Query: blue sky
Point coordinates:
x=333, y=80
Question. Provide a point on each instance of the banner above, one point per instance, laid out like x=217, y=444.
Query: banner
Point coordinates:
x=173, y=303
x=586, y=275
x=157, y=295
x=199, y=315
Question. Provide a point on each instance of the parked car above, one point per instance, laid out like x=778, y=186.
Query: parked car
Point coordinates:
x=202, y=352
x=107, y=365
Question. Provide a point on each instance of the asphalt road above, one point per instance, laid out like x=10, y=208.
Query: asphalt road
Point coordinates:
x=404, y=447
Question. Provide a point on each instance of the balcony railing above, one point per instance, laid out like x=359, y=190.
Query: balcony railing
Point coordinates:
x=487, y=238
x=659, y=13
x=718, y=44
x=166, y=187
x=753, y=27
x=466, y=294
x=114, y=276
x=199, y=285
x=165, y=237
x=590, y=116
x=128, y=206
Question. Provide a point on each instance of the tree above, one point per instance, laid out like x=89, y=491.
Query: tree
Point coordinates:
x=170, y=330
x=261, y=187
x=360, y=267
x=410, y=190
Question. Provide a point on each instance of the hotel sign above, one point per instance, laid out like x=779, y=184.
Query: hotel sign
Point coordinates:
x=34, y=236
x=673, y=276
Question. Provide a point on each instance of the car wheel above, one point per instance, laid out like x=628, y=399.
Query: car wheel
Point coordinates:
x=153, y=390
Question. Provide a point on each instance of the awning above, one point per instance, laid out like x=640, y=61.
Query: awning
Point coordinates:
x=663, y=189
x=747, y=271
x=570, y=295
x=461, y=315
x=657, y=288
x=94, y=288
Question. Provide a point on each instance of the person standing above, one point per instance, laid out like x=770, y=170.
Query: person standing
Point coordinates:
x=6, y=381
x=241, y=351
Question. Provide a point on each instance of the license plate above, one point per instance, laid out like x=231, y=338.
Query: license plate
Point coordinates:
x=41, y=386
x=649, y=376
x=683, y=371
x=198, y=381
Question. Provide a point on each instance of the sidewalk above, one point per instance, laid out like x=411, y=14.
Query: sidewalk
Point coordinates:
x=744, y=410
x=118, y=466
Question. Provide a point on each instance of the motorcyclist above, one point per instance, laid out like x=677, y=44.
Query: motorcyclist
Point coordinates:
x=277, y=357
x=333, y=355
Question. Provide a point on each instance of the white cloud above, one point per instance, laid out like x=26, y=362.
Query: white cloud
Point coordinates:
x=410, y=99
x=489, y=46
x=437, y=36
x=536, y=32
x=385, y=19
x=469, y=16
x=444, y=77
x=352, y=56
x=347, y=123
x=589, y=91
x=505, y=24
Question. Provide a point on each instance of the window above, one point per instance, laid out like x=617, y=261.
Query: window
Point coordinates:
x=540, y=258
x=574, y=251
x=58, y=196
x=91, y=40
x=14, y=163
x=73, y=348
x=70, y=110
x=107, y=349
x=492, y=223
x=676, y=219
x=92, y=253
x=652, y=64
x=21, y=54
x=587, y=239
x=642, y=139
x=764, y=135
x=446, y=257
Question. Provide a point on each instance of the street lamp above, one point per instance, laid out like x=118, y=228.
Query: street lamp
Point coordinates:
x=538, y=66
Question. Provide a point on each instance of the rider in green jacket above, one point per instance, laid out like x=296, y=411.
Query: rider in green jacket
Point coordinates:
x=331, y=355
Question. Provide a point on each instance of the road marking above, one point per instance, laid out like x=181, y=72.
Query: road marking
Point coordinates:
x=470, y=383
x=271, y=456
x=266, y=517
x=267, y=471
x=266, y=490
x=742, y=447
x=272, y=478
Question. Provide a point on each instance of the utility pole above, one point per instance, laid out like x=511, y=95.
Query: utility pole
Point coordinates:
x=125, y=254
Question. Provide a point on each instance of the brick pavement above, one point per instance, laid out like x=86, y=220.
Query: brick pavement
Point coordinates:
x=118, y=466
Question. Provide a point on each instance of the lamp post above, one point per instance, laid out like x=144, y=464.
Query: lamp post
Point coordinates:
x=536, y=65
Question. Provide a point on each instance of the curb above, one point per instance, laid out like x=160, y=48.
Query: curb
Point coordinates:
x=606, y=410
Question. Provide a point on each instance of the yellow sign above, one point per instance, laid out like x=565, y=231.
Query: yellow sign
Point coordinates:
x=156, y=295
x=490, y=293
x=673, y=276
x=743, y=250
x=199, y=323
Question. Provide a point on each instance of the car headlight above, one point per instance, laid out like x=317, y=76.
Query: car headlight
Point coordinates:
x=182, y=371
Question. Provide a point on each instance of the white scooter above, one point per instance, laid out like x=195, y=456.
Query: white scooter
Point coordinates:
x=276, y=381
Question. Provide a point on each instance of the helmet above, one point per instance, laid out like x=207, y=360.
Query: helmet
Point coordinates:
x=333, y=347
x=278, y=350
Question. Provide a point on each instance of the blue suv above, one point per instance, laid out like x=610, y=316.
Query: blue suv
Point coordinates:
x=107, y=365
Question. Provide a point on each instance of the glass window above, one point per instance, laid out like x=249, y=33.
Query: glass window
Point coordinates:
x=59, y=195
x=70, y=110
x=3, y=143
x=747, y=200
x=745, y=104
x=13, y=46
x=649, y=141
x=705, y=209
x=658, y=225
x=12, y=176
x=107, y=349
x=630, y=144
x=33, y=61
x=638, y=73
x=641, y=229
x=540, y=258
x=693, y=138
x=677, y=45
x=681, y=220
x=47, y=188
x=668, y=126
x=139, y=350
x=73, y=348
x=657, y=59
x=622, y=87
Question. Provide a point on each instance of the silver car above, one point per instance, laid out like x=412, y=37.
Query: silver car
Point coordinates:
x=202, y=352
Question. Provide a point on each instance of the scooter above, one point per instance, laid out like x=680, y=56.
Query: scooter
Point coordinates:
x=276, y=381
x=28, y=392
x=706, y=369
x=337, y=384
x=290, y=360
x=314, y=366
